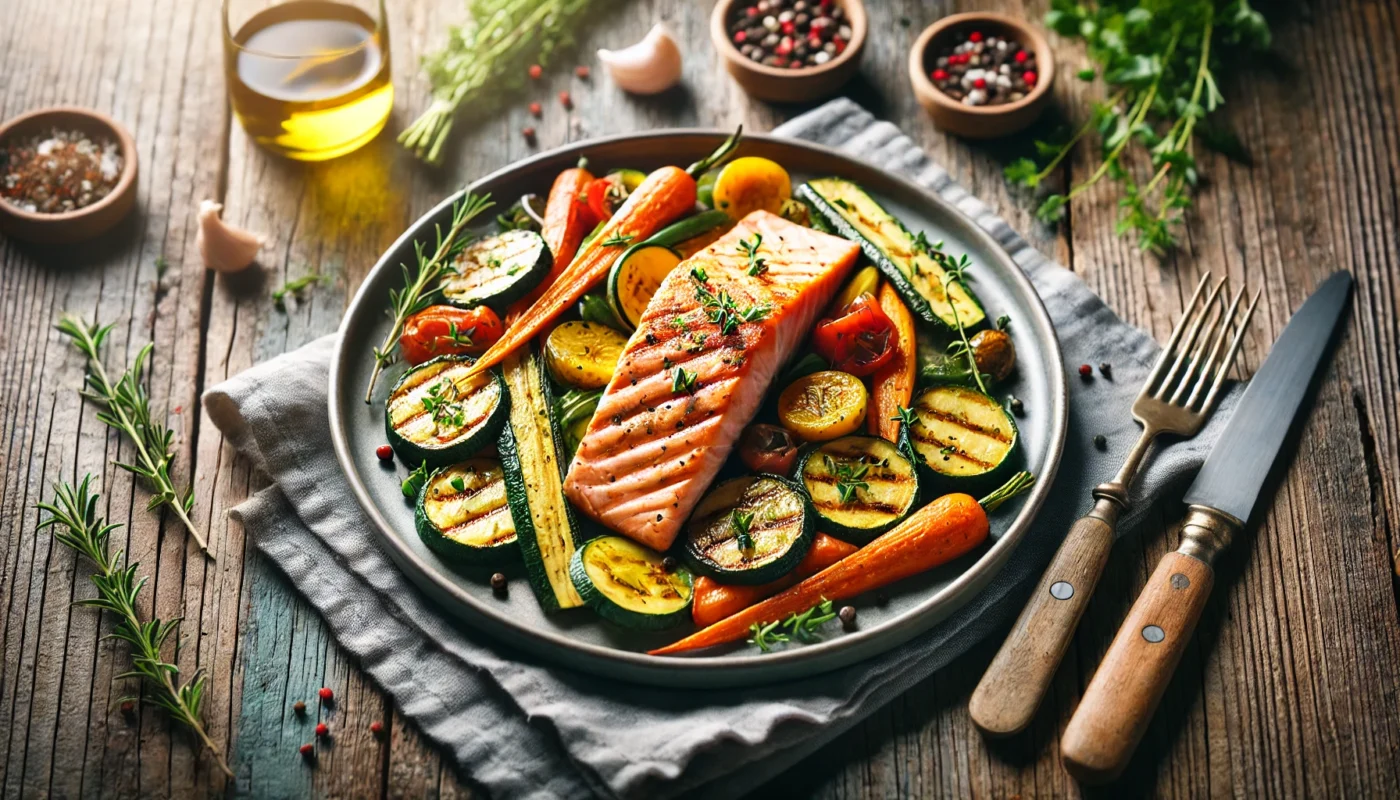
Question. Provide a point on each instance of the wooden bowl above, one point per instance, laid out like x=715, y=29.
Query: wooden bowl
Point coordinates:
x=82, y=223
x=790, y=85
x=980, y=122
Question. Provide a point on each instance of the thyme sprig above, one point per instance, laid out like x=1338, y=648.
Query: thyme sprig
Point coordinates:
x=75, y=523
x=1158, y=60
x=444, y=402
x=757, y=264
x=743, y=523
x=127, y=408
x=684, y=381
x=962, y=347
x=721, y=308
x=850, y=478
x=420, y=285
x=414, y=481
x=618, y=240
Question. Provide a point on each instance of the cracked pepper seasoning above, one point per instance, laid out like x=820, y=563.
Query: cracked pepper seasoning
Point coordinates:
x=58, y=172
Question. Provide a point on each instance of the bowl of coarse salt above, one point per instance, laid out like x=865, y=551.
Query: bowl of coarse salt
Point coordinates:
x=66, y=174
x=981, y=75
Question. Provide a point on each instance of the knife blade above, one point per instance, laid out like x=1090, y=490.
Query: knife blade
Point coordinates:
x=1128, y=685
x=1235, y=470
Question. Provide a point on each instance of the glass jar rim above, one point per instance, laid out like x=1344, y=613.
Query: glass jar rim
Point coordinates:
x=379, y=25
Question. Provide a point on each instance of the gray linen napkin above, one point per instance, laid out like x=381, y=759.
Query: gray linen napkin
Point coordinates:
x=521, y=728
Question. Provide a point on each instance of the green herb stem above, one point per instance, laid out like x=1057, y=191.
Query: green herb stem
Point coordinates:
x=75, y=523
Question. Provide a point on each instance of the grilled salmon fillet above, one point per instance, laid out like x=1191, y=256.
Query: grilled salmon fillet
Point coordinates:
x=694, y=373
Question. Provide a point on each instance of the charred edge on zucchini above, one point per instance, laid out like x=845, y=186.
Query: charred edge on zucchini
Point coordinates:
x=462, y=513
x=963, y=436
x=497, y=270
x=861, y=486
x=912, y=266
x=628, y=584
x=533, y=466
x=437, y=415
x=750, y=530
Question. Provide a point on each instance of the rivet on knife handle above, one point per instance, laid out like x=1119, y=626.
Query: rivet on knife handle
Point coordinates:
x=1125, y=691
x=1018, y=678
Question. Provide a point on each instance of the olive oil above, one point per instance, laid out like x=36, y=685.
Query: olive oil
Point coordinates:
x=310, y=79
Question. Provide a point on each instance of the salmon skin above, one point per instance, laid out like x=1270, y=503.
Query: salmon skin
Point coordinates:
x=693, y=375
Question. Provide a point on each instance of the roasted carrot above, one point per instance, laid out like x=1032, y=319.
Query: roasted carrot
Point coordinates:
x=566, y=222
x=664, y=196
x=714, y=600
x=939, y=532
x=892, y=385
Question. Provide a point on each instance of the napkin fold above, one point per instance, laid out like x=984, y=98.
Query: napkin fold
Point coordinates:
x=524, y=728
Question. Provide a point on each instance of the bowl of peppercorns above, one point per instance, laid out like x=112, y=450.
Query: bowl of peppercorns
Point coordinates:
x=981, y=75
x=66, y=174
x=790, y=51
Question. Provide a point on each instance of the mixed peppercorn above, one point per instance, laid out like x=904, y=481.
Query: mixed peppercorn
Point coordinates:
x=58, y=172
x=790, y=34
x=983, y=70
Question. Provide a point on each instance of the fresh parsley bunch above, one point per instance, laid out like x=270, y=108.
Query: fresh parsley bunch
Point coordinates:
x=1159, y=60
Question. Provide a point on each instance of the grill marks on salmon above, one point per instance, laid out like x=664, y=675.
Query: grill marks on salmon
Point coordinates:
x=653, y=446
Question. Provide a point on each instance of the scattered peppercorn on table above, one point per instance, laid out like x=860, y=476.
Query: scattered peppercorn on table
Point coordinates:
x=1288, y=691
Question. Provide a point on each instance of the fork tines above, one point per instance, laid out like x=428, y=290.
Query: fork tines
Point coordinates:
x=1194, y=349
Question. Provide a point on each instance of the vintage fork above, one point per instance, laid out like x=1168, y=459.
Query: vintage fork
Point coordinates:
x=1177, y=397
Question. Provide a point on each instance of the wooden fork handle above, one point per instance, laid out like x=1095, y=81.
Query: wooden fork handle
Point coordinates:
x=1125, y=691
x=1016, y=681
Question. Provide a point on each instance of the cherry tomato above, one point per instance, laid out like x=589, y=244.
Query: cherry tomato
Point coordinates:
x=768, y=448
x=858, y=340
x=606, y=194
x=448, y=330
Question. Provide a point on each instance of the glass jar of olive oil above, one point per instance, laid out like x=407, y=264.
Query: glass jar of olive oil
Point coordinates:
x=308, y=79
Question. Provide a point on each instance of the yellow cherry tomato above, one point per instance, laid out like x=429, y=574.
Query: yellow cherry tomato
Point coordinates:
x=823, y=406
x=749, y=184
x=865, y=281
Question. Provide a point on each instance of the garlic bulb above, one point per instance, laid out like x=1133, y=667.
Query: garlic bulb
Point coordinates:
x=650, y=66
x=224, y=247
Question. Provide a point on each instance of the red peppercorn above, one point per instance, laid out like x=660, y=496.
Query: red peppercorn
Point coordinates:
x=980, y=83
x=751, y=11
x=784, y=47
x=974, y=37
x=307, y=750
x=840, y=44
x=326, y=694
x=528, y=133
x=788, y=28
x=322, y=730
x=740, y=37
x=566, y=100
x=536, y=71
x=376, y=727
x=1021, y=56
x=536, y=109
x=582, y=71
x=1029, y=78
x=939, y=75
x=384, y=451
x=780, y=62
x=1086, y=371
x=299, y=707
x=128, y=707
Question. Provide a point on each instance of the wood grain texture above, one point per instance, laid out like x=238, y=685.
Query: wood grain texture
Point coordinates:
x=1288, y=688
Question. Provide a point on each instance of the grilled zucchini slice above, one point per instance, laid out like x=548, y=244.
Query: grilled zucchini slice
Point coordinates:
x=497, y=270
x=964, y=438
x=532, y=460
x=436, y=414
x=627, y=584
x=462, y=513
x=915, y=271
x=861, y=486
x=637, y=273
x=750, y=530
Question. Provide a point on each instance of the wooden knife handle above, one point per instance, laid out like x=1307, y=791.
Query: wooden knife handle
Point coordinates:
x=1125, y=690
x=1016, y=681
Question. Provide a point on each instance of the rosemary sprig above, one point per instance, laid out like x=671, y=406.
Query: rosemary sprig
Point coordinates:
x=420, y=285
x=804, y=627
x=127, y=408
x=849, y=477
x=75, y=523
x=617, y=240
x=757, y=264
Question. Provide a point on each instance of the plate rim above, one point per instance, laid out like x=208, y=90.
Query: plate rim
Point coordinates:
x=722, y=670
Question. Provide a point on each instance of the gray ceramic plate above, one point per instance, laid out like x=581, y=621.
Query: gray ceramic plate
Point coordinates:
x=579, y=639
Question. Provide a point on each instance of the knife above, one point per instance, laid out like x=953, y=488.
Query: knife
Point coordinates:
x=1125, y=691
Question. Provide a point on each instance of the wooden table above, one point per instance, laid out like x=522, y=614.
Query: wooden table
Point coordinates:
x=1291, y=687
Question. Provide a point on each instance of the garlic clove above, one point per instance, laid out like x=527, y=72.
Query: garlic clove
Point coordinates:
x=650, y=66
x=224, y=247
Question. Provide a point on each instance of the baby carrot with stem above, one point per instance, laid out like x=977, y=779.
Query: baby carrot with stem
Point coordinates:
x=939, y=532
x=665, y=195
